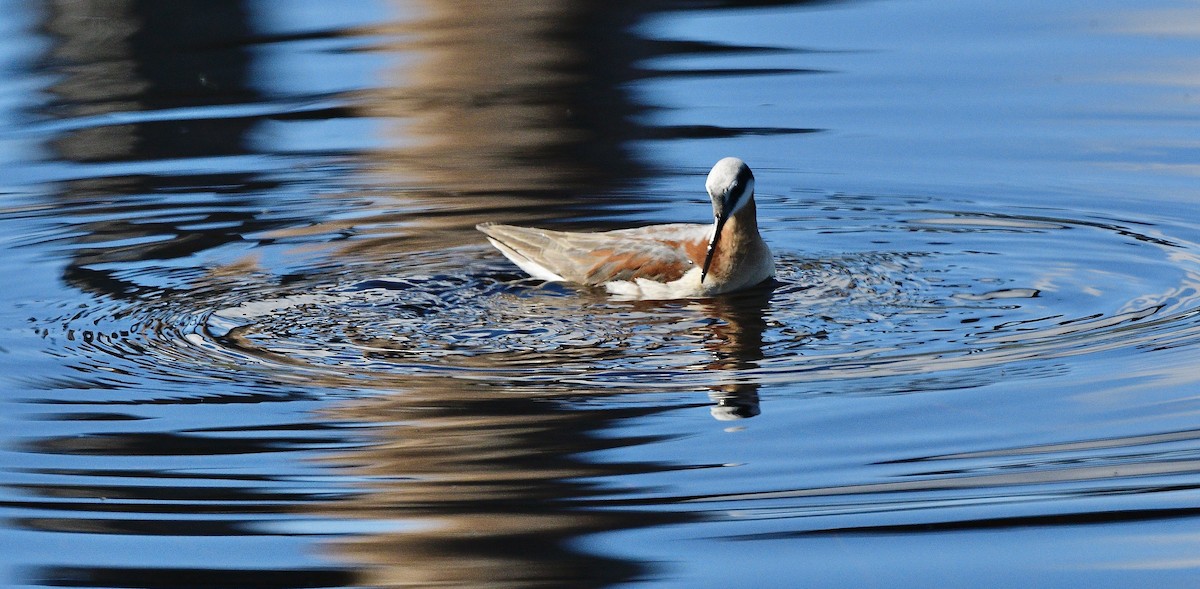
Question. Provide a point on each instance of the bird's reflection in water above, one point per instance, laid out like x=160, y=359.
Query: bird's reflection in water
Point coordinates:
x=735, y=401
x=732, y=342
x=736, y=345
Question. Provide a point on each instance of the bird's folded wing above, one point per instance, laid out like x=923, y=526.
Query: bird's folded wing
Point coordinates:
x=596, y=258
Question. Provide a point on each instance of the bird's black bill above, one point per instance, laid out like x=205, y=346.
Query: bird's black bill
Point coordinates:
x=712, y=248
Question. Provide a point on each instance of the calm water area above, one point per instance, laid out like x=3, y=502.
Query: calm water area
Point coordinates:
x=249, y=336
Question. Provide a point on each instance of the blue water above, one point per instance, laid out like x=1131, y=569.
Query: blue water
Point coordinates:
x=250, y=336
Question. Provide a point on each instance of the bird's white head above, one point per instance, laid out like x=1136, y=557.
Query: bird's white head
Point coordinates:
x=730, y=184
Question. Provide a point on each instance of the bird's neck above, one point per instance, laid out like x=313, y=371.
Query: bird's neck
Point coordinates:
x=739, y=241
x=741, y=227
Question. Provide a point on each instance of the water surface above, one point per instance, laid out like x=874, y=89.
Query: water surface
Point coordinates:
x=251, y=338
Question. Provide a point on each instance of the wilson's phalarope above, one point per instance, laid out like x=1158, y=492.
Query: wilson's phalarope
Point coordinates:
x=673, y=261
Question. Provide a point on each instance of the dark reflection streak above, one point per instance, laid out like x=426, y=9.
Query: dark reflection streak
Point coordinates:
x=1032, y=521
x=714, y=132
x=217, y=495
x=154, y=474
x=715, y=72
x=301, y=427
x=213, y=578
x=86, y=416
x=324, y=113
x=253, y=39
x=266, y=504
x=169, y=444
x=671, y=47
x=142, y=527
x=1084, y=445
x=190, y=399
x=1059, y=223
x=727, y=4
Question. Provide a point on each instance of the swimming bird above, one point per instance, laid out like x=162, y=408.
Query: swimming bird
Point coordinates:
x=672, y=261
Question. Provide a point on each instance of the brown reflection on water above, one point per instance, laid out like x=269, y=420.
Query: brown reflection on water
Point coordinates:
x=497, y=482
x=506, y=111
x=517, y=97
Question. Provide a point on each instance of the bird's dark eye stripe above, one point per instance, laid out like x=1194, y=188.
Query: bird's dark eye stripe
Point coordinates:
x=738, y=190
x=744, y=176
